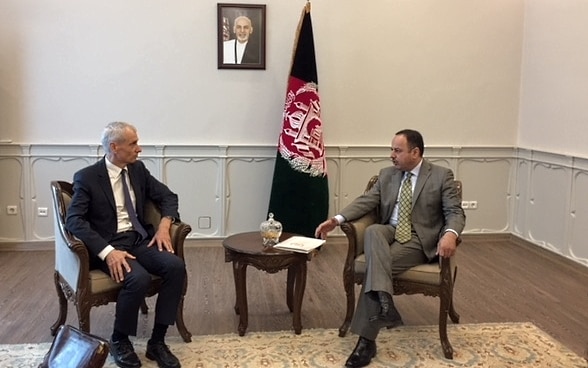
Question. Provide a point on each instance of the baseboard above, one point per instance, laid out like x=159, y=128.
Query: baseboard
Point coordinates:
x=333, y=240
x=218, y=242
x=43, y=245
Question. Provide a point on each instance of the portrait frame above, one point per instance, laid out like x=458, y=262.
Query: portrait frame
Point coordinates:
x=231, y=52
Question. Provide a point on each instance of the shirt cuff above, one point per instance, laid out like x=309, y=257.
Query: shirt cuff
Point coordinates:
x=106, y=251
x=453, y=231
x=340, y=219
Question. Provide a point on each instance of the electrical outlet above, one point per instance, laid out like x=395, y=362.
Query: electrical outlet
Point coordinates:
x=465, y=205
x=473, y=205
x=12, y=210
x=204, y=222
x=42, y=212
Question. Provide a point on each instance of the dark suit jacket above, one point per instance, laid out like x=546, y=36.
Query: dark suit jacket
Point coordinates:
x=91, y=215
x=436, y=205
x=251, y=55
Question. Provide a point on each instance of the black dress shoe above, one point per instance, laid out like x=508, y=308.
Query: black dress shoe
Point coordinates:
x=385, y=302
x=389, y=320
x=160, y=352
x=123, y=353
x=388, y=316
x=363, y=353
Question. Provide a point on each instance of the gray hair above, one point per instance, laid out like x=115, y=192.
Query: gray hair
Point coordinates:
x=242, y=17
x=114, y=133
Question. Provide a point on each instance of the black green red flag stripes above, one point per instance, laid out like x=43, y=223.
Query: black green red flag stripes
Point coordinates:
x=300, y=191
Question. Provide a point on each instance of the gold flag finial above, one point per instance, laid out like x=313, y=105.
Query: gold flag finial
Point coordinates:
x=307, y=7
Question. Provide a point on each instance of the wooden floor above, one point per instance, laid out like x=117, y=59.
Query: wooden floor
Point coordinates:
x=497, y=281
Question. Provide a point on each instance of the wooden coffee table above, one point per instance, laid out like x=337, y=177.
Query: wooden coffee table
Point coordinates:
x=245, y=249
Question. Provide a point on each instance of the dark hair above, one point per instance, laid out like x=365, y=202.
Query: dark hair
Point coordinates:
x=414, y=139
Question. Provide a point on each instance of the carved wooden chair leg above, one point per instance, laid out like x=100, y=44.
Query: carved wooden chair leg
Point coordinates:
x=83, y=315
x=186, y=335
x=350, y=292
x=62, y=305
x=443, y=311
x=452, y=313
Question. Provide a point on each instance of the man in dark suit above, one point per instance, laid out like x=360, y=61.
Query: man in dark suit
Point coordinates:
x=107, y=214
x=435, y=220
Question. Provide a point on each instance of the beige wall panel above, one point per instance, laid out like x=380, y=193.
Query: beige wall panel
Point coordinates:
x=486, y=181
x=521, y=198
x=577, y=245
x=548, y=205
x=12, y=194
x=197, y=182
x=333, y=176
x=43, y=171
x=247, y=189
x=356, y=172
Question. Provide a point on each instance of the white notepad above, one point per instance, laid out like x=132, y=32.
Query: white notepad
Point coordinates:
x=301, y=244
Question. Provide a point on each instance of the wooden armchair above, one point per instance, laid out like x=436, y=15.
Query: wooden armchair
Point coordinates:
x=87, y=288
x=433, y=279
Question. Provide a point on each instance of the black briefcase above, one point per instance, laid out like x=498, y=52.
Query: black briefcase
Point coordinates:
x=72, y=348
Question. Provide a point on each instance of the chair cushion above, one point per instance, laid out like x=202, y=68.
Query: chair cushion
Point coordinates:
x=426, y=273
x=101, y=282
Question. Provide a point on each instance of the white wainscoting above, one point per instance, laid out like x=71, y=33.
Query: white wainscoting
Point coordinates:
x=538, y=196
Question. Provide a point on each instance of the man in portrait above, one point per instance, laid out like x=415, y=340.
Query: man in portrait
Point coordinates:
x=242, y=49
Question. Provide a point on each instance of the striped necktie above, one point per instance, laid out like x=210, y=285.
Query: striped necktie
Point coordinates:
x=130, y=208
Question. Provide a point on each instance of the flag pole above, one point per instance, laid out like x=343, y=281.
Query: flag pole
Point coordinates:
x=305, y=10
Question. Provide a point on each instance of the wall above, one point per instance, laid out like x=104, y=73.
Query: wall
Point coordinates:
x=555, y=78
x=461, y=71
x=450, y=69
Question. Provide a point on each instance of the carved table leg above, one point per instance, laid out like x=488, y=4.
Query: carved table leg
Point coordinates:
x=240, y=273
x=299, y=286
x=290, y=287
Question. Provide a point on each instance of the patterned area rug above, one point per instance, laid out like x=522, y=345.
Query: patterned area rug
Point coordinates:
x=476, y=345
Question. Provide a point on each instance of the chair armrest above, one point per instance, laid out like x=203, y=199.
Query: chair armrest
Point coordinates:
x=447, y=277
x=355, y=230
x=178, y=230
x=178, y=233
x=72, y=260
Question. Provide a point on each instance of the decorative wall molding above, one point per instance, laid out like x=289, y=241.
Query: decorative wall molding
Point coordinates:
x=538, y=196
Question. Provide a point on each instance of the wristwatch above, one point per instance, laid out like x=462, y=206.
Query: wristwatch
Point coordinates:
x=173, y=219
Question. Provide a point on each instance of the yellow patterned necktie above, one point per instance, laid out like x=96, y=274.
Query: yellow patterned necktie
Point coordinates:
x=403, y=229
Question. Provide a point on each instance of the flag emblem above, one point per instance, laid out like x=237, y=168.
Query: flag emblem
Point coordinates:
x=301, y=140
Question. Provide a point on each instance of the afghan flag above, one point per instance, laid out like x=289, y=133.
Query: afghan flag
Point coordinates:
x=300, y=191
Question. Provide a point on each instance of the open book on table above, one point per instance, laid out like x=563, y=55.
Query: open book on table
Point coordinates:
x=300, y=244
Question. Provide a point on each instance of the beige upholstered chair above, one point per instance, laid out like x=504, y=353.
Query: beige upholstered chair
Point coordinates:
x=433, y=279
x=87, y=288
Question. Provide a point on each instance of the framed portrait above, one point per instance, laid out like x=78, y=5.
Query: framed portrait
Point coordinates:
x=241, y=36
